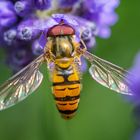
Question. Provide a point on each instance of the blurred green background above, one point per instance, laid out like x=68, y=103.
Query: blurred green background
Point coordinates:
x=102, y=114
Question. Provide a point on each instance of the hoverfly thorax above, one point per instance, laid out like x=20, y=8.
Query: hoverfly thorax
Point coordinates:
x=62, y=44
x=62, y=47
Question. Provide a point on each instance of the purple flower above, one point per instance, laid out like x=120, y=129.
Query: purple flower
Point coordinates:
x=36, y=48
x=102, y=13
x=83, y=65
x=135, y=79
x=42, y=4
x=19, y=57
x=23, y=7
x=10, y=36
x=7, y=14
x=27, y=30
x=136, y=135
x=67, y=3
x=135, y=88
x=26, y=22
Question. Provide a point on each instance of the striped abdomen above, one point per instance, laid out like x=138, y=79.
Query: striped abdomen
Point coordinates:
x=66, y=90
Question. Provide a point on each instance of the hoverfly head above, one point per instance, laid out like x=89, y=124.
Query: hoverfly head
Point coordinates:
x=61, y=29
x=62, y=40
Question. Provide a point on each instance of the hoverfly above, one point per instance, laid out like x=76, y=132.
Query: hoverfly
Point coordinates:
x=62, y=50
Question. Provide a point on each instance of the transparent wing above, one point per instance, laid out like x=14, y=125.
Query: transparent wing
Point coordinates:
x=108, y=75
x=21, y=84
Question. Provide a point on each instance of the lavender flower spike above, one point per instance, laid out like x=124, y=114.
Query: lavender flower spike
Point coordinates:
x=67, y=3
x=10, y=36
x=135, y=86
x=101, y=12
x=26, y=22
x=7, y=15
x=42, y=4
x=23, y=7
x=27, y=30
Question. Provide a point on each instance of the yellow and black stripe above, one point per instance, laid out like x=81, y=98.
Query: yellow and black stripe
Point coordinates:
x=66, y=89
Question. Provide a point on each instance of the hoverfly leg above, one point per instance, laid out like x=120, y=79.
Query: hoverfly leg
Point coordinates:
x=80, y=50
x=77, y=60
x=49, y=58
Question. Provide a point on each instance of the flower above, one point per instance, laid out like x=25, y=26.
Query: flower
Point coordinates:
x=24, y=24
x=7, y=15
x=137, y=135
x=101, y=12
x=66, y=3
x=134, y=77
x=42, y=4
x=19, y=56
